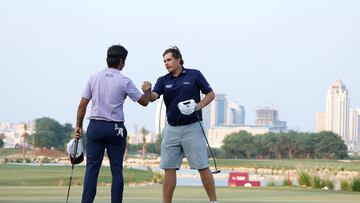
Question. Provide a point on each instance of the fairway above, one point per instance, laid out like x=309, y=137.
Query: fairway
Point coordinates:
x=48, y=184
x=152, y=194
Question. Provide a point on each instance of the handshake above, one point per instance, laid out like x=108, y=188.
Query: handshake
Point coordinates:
x=146, y=86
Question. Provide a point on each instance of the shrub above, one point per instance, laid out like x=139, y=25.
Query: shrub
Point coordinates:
x=327, y=183
x=316, y=182
x=285, y=182
x=45, y=160
x=304, y=179
x=18, y=160
x=355, y=184
x=158, y=178
x=345, y=185
x=271, y=184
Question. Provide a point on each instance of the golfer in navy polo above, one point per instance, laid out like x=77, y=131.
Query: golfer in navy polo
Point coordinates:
x=107, y=90
x=183, y=137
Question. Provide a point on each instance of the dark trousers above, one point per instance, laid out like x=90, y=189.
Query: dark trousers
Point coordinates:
x=103, y=135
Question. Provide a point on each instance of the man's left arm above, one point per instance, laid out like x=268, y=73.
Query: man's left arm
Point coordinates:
x=205, y=101
x=205, y=88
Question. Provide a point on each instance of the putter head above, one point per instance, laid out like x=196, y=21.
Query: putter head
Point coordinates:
x=216, y=172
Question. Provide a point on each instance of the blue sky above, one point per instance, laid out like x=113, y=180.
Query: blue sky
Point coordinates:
x=260, y=53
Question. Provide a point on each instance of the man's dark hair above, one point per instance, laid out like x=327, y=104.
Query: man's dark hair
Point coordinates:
x=114, y=54
x=175, y=53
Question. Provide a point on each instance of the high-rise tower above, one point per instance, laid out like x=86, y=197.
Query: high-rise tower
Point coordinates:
x=218, y=109
x=354, y=130
x=337, y=110
x=235, y=114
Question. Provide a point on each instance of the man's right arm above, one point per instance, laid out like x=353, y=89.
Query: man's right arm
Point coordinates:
x=154, y=96
x=80, y=117
x=145, y=98
x=157, y=91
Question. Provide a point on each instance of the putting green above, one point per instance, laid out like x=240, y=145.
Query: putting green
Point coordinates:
x=152, y=194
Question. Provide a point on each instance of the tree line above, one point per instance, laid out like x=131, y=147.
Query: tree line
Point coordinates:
x=285, y=145
x=238, y=145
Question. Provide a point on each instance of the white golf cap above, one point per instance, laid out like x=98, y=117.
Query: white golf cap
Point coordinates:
x=79, y=157
x=187, y=107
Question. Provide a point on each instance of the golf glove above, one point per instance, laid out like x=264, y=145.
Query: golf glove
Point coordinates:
x=187, y=107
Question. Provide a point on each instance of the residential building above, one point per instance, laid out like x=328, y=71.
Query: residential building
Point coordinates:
x=337, y=110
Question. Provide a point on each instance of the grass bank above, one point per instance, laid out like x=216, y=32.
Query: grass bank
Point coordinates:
x=25, y=175
x=289, y=164
x=4, y=152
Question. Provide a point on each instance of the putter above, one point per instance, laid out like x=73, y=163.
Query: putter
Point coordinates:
x=202, y=129
x=72, y=168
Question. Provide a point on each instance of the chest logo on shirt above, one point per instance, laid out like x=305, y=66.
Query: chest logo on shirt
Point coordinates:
x=186, y=83
x=169, y=86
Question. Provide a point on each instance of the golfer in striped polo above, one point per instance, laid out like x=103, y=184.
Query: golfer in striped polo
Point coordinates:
x=107, y=90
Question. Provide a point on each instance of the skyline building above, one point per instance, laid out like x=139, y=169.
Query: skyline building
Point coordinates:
x=320, y=122
x=235, y=114
x=218, y=110
x=337, y=110
x=137, y=138
x=13, y=132
x=268, y=116
x=354, y=129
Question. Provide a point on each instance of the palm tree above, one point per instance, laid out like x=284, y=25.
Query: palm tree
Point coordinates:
x=24, y=136
x=2, y=138
x=144, y=132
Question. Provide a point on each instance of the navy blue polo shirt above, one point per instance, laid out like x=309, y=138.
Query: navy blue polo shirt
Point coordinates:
x=185, y=86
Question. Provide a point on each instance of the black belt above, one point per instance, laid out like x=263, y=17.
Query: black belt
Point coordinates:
x=105, y=121
x=181, y=123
